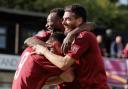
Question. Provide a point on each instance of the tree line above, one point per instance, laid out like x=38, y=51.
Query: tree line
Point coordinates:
x=105, y=13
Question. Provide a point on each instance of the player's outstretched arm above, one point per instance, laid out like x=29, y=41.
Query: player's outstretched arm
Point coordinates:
x=88, y=26
x=62, y=62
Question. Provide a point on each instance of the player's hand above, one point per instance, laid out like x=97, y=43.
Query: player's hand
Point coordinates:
x=39, y=49
x=67, y=42
x=68, y=75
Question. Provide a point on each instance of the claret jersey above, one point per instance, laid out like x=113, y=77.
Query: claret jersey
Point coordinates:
x=33, y=70
x=89, y=67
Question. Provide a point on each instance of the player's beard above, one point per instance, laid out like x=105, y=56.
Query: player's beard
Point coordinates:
x=66, y=31
x=68, y=28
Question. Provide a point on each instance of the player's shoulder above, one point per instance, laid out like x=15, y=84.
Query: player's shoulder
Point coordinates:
x=85, y=34
x=28, y=49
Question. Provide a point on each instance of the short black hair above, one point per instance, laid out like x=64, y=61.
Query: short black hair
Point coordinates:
x=58, y=36
x=78, y=10
x=58, y=11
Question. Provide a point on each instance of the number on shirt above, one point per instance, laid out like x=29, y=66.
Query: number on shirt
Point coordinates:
x=23, y=59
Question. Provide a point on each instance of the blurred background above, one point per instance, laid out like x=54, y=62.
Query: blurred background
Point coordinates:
x=20, y=19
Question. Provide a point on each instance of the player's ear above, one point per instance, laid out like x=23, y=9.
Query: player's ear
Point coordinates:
x=79, y=20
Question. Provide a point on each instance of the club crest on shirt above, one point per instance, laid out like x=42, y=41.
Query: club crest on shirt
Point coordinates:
x=75, y=48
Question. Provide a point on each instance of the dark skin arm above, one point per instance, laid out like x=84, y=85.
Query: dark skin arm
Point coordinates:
x=34, y=40
x=31, y=41
x=89, y=26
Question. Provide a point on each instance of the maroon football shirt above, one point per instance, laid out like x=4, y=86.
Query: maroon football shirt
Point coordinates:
x=33, y=71
x=89, y=67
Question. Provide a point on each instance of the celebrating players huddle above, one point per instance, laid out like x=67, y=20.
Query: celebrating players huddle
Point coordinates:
x=67, y=54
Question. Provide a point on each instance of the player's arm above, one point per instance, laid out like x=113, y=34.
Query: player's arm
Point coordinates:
x=39, y=38
x=61, y=62
x=31, y=41
x=67, y=76
x=64, y=62
x=88, y=26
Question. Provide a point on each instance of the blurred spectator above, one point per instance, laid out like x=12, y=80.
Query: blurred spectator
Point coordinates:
x=125, y=51
x=117, y=47
x=101, y=45
x=108, y=40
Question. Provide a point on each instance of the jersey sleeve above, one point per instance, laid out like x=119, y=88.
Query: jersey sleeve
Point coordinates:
x=79, y=46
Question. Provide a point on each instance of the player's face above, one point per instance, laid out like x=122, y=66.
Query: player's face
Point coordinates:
x=53, y=22
x=54, y=46
x=69, y=21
